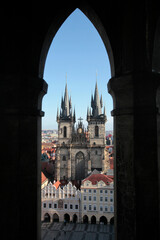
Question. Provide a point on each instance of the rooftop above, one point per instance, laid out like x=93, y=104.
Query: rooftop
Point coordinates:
x=94, y=178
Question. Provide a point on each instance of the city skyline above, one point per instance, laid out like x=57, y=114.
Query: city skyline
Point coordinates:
x=78, y=55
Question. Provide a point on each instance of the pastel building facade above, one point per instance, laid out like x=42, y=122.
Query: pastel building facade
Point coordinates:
x=97, y=199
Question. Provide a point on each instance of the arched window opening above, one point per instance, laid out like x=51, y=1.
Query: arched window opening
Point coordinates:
x=65, y=132
x=66, y=118
x=103, y=220
x=66, y=218
x=93, y=220
x=75, y=218
x=112, y=221
x=96, y=131
x=85, y=219
x=55, y=217
x=47, y=217
x=80, y=165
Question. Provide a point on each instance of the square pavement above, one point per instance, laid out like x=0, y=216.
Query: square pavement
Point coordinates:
x=76, y=231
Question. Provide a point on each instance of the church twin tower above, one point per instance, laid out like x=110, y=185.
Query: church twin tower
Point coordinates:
x=80, y=151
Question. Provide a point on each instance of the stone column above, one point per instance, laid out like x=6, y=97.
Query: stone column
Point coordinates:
x=158, y=142
x=21, y=114
x=136, y=180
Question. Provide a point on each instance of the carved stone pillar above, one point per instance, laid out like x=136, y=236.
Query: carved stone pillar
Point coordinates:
x=136, y=177
x=20, y=119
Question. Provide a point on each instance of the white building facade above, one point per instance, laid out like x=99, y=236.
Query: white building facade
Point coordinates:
x=60, y=204
x=97, y=199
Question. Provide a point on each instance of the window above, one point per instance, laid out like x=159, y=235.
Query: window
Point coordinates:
x=44, y=205
x=90, y=207
x=111, y=192
x=71, y=206
x=94, y=190
x=76, y=206
x=50, y=205
x=106, y=199
x=94, y=208
x=111, y=199
x=64, y=158
x=101, y=199
x=106, y=208
x=96, y=131
x=65, y=206
x=90, y=190
x=105, y=191
x=84, y=198
x=101, y=208
x=111, y=208
x=96, y=152
x=94, y=198
x=84, y=190
x=55, y=205
x=65, y=132
x=90, y=198
x=84, y=207
x=101, y=191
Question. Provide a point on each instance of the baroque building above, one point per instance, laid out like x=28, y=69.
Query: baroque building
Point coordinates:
x=97, y=199
x=80, y=151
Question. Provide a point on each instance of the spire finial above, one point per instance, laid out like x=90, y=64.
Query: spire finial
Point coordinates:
x=66, y=78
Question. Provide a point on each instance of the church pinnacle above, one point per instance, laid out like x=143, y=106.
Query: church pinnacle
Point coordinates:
x=96, y=105
x=66, y=107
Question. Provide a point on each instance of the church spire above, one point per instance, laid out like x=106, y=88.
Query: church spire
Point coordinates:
x=95, y=112
x=97, y=106
x=66, y=104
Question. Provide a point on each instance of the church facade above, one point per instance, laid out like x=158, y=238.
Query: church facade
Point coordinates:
x=80, y=151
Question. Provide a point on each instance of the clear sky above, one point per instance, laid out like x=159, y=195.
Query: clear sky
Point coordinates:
x=78, y=50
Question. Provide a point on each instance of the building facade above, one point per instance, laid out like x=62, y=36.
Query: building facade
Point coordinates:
x=59, y=204
x=80, y=151
x=97, y=199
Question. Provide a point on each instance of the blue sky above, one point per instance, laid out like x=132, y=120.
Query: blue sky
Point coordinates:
x=78, y=50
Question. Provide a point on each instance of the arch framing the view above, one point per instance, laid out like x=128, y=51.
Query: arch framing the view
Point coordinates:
x=62, y=16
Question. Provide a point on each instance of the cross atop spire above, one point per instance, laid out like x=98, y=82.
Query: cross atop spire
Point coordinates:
x=80, y=119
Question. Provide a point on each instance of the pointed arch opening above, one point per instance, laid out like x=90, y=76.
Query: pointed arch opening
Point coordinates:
x=95, y=20
x=79, y=157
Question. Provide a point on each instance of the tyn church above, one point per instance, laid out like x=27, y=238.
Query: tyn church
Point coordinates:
x=80, y=151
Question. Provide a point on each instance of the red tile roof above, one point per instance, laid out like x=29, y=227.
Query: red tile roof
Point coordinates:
x=43, y=178
x=57, y=184
x=94, y=178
